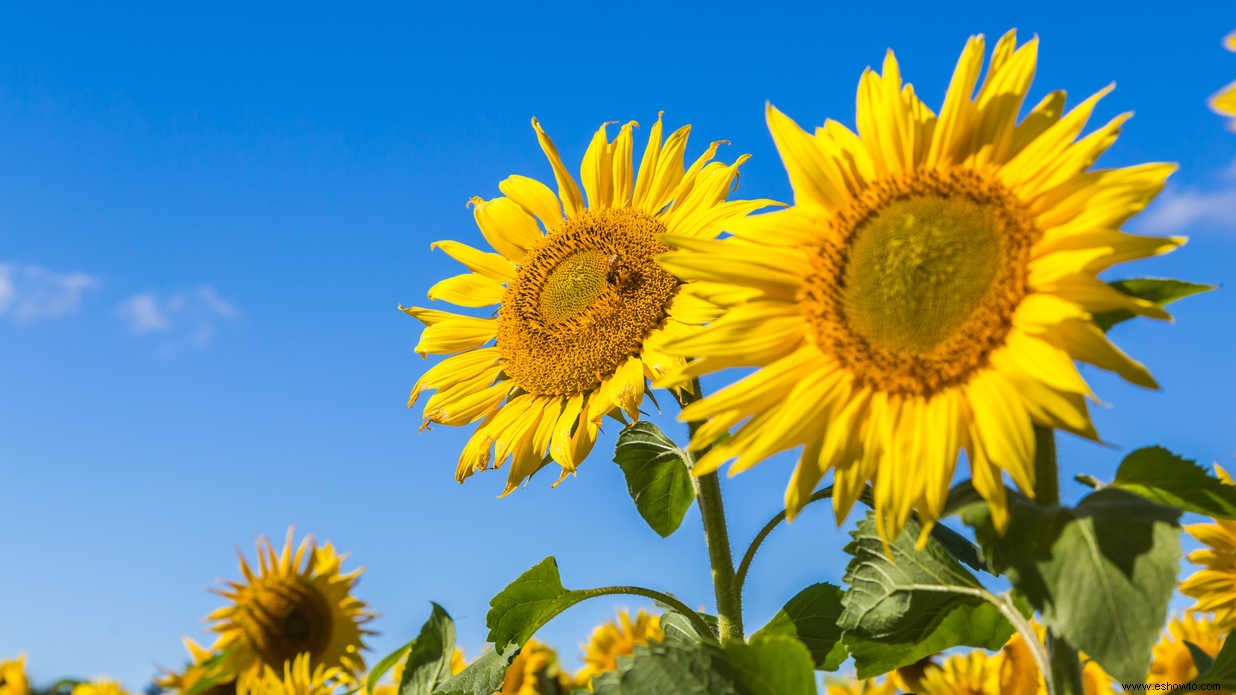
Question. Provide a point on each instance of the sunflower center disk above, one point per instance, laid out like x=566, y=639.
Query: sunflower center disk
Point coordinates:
x=583, y=301
x=923, y=280
x=918, y=269
x=287, y=618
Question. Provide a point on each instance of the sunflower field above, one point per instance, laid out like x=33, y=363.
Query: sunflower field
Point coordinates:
x=908, y=329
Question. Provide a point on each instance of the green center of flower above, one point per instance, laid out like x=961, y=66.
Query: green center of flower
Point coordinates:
x=919, y=280
x=574, y=285
x=919, y=268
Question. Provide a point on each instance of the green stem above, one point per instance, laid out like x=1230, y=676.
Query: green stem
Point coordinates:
x=696, y=619
x=1065, y=667
x=740, y=577
x=717, y=538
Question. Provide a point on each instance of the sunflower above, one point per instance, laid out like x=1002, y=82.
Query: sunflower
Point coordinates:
x=535, y=671
x=296, y=677
x=614, y=639
x=928, y=292
x=1225, y=101
x=13, y=676
x=581, y=303
x=1172, y=662
x=205, y=665
x=102, y=686
x=297, y=602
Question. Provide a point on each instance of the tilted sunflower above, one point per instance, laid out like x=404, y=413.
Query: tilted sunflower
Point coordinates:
x=1171, y=661
x=296, y=677
x=614, y=639
x=535, y=671
x=13, y=676
x=205, y=665
x=1225, y=101
x=927, y=293
x=1019, y=675
x=299, y=601
x=582, y=305
x=1214, y=587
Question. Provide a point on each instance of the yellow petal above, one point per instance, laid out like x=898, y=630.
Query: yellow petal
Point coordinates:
x=1002, y=427
x=535, y=198
x=491, y=265
x=622, y=175
x=504, y=224
x=596, y=170
x=456, y=335
x=470, y=289
x=647, y=165
x=568, y=192
x=455, y=369
x=813, y=177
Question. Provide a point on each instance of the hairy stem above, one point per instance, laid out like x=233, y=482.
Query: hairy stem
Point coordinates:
x=717, y=538
x=696, y=619
x=1063, y=675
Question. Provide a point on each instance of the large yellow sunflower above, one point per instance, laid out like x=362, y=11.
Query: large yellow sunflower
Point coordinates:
x=928, y=292
x=614, y=639
x=297, y=602
x=535, y=671
x=1225, y=101
x=581, y=303
x=1172, y=662
x=204, y=665
x=296, y=677
x=13, y=676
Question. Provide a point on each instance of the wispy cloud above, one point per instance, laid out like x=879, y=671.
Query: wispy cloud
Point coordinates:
x=1180, y=210
x=29, y=292
x=183, y=319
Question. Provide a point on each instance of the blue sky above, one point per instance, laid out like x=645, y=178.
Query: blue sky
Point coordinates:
x=208, y=219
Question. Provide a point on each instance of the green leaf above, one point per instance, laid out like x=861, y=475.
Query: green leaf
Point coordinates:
x=914, y=604
x=429, y=659
x=811, y=618
x=1158, y=290
x=1100, y=574
x=664, y=667
x=1163, y=477
x=527, y=603
x=481, y=677
x=384, y=665
x=678, y=628
x=658, y=475
x=1222, y=670
x=771, y=665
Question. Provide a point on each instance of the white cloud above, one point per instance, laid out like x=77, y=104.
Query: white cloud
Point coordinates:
x=186, y=318
x=29, y=292
x=1187, y=209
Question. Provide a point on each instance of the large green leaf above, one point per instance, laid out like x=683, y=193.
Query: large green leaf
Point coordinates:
x=1161, y=476
x=811, y=618
x=429, y=659
x=658, y=475
x=527, y=603
x=1100, y=574
x=481, y=677
x=771, y=665
x=1158, y=290
x=680, y=668
x=915, y=603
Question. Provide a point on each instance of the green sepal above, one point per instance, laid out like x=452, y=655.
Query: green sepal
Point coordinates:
x=1161, y=291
